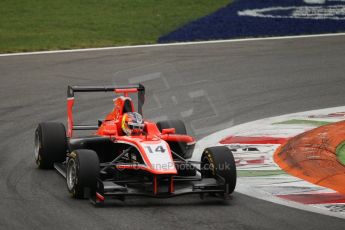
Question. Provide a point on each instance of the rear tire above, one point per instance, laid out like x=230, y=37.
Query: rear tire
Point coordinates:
x=219, y=161
x=82, y=173
x=50, y=144
x=180, y=128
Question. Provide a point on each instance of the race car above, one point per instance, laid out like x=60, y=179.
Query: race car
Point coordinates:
x=125, y=155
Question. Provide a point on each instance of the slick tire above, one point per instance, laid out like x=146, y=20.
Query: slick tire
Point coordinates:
x=218, y=162
x=179, y=126
x=50, y=144
x=82, y=173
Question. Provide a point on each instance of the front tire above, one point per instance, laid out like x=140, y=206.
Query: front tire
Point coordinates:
x=50, y=144
x=219, y=162
x=82, y=173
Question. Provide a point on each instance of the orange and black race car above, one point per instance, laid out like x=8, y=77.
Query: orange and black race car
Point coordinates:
x=127, y=155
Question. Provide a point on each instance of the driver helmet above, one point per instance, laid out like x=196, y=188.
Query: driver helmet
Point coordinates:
x=132, y=123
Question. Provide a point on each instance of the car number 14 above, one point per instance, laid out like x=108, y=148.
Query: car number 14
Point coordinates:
x=157, y=149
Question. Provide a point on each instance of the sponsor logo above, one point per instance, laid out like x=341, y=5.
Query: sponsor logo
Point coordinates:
x=314, y=12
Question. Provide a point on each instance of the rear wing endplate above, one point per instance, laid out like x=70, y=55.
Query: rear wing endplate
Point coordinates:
x=125, y=89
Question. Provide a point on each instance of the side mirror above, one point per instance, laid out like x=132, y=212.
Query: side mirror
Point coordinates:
x=169, y=131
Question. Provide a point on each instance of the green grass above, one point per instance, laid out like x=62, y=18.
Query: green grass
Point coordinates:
x=302, y=122
x=340, y=151
x=64, y=24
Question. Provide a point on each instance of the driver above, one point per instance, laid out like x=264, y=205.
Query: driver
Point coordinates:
x=132, y=123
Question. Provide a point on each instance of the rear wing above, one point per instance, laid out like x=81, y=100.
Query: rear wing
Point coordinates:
x=125, y=89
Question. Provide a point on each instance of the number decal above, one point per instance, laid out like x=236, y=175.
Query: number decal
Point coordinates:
x=158, y=149
x=149, y=149
x=158, y=156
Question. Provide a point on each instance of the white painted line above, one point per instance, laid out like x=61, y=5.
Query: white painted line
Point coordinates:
x=173, y=44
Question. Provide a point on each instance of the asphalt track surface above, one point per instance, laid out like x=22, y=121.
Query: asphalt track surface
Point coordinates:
x=243, y=81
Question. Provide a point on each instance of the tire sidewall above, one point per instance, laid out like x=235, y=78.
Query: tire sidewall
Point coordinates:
x=38, y=146
x=221, y=163
x=73, y=159
x=87, y=171
x=50, y=144
x=178, y=125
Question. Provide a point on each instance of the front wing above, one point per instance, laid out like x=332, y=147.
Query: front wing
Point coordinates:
x=170, y=187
